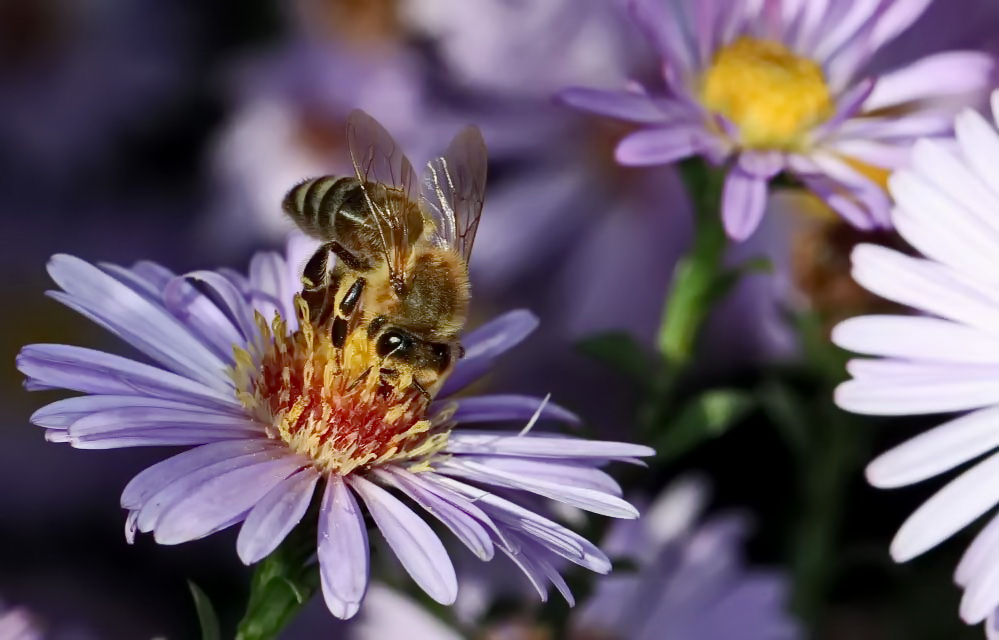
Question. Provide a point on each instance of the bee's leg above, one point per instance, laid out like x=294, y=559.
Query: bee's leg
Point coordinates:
x=421, y=389
x=315, y=275
x=347, y=309
x=351, y=261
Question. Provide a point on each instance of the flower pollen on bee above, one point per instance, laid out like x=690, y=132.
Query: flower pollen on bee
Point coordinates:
x=774, y=96
x=334, y=405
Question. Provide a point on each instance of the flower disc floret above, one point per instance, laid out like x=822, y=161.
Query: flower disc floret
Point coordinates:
x=331, y=404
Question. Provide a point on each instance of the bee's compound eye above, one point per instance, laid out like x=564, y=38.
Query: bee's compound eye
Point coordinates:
x=442, y=355
x=393, y=341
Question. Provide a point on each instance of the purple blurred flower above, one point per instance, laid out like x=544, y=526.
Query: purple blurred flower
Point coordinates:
x=18, y=624
x=690, y=584
x=271, y=415
x=771, y=86
x=946, y=358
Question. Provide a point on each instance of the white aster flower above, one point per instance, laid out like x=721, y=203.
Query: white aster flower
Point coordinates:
x=945, y=359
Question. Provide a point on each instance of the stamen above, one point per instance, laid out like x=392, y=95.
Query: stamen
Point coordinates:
x=772, y=95
x=331, y=404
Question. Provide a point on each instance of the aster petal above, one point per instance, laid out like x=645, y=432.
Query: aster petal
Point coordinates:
x=931, y=78
x=499, y=443
x=145, y=326
x=916, y=338
x=502, y=408
x=951, y=389
x=547, y=533
x=455, y=517
x=840, y=32
x=158, y=425
x=945, y=188
x=91, y=371
x=938, y=450
x=62, y=413
x=659, y=145
x=155, y=478
x=235, y=300
x=925, y=285
x=667, y=35
x=389, y=614
x=744, y=199
x=275, y=515
x=269, y=286
x=564, y=472
x=868, y=194
x=979, y=146
x=485, y=344
x=951, y=509
x=529, y=568
x=154, y=273
x=415, y=544
x=978, y=553
x=980, y=596
x=202, y=316
x=898, y=17
x=623, y=105
x=175, y=488
x=220, y=500
x=343, y=549
x=527, y=477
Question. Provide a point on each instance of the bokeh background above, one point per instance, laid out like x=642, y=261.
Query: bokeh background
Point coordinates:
x=143, y=129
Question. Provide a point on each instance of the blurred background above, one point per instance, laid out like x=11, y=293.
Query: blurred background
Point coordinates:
x=142, y=129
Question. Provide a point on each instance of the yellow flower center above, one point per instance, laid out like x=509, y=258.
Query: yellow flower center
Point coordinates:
x=772, y=95
x=333, y=405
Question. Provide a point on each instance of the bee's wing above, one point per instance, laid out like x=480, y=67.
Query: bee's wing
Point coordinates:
x=453, y=190
x=377, y=158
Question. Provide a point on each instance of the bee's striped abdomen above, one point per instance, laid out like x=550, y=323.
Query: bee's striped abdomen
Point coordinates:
x=314, y=203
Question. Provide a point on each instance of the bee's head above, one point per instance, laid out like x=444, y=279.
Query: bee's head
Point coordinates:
x=428, y=362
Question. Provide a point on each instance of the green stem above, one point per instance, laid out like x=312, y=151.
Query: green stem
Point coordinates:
x=282, y=584
x=698, y=274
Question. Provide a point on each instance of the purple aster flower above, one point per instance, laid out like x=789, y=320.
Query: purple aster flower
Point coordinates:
x=690, y=583
x=239, y=372
x=770, y=86
x=944, y=359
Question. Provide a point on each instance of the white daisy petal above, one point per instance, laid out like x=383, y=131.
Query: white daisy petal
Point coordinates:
x=951, y=509
x=917, y=338
x=938, y=450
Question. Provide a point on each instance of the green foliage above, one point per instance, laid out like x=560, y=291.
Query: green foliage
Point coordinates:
x=207, y=617
x=704, y=417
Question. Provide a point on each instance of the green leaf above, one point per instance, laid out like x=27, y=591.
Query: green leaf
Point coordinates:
x=282, y=583
x=620, y=352
x=707, y=416
x=209, y=621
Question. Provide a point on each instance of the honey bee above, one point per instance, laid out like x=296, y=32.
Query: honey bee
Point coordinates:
x=401, y=267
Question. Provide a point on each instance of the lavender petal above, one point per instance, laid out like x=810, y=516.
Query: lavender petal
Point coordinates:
x=96, y=372
x=461, y=523
x=147, y=327
x=415, y=544
x=502, y=408
x=275, y=515
x=744, y=199
x=538, y=446
x=221, y=500
x=343, y=550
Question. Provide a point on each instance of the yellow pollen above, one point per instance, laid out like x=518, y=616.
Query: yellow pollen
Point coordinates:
x=332, y=405
x=773, y=96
